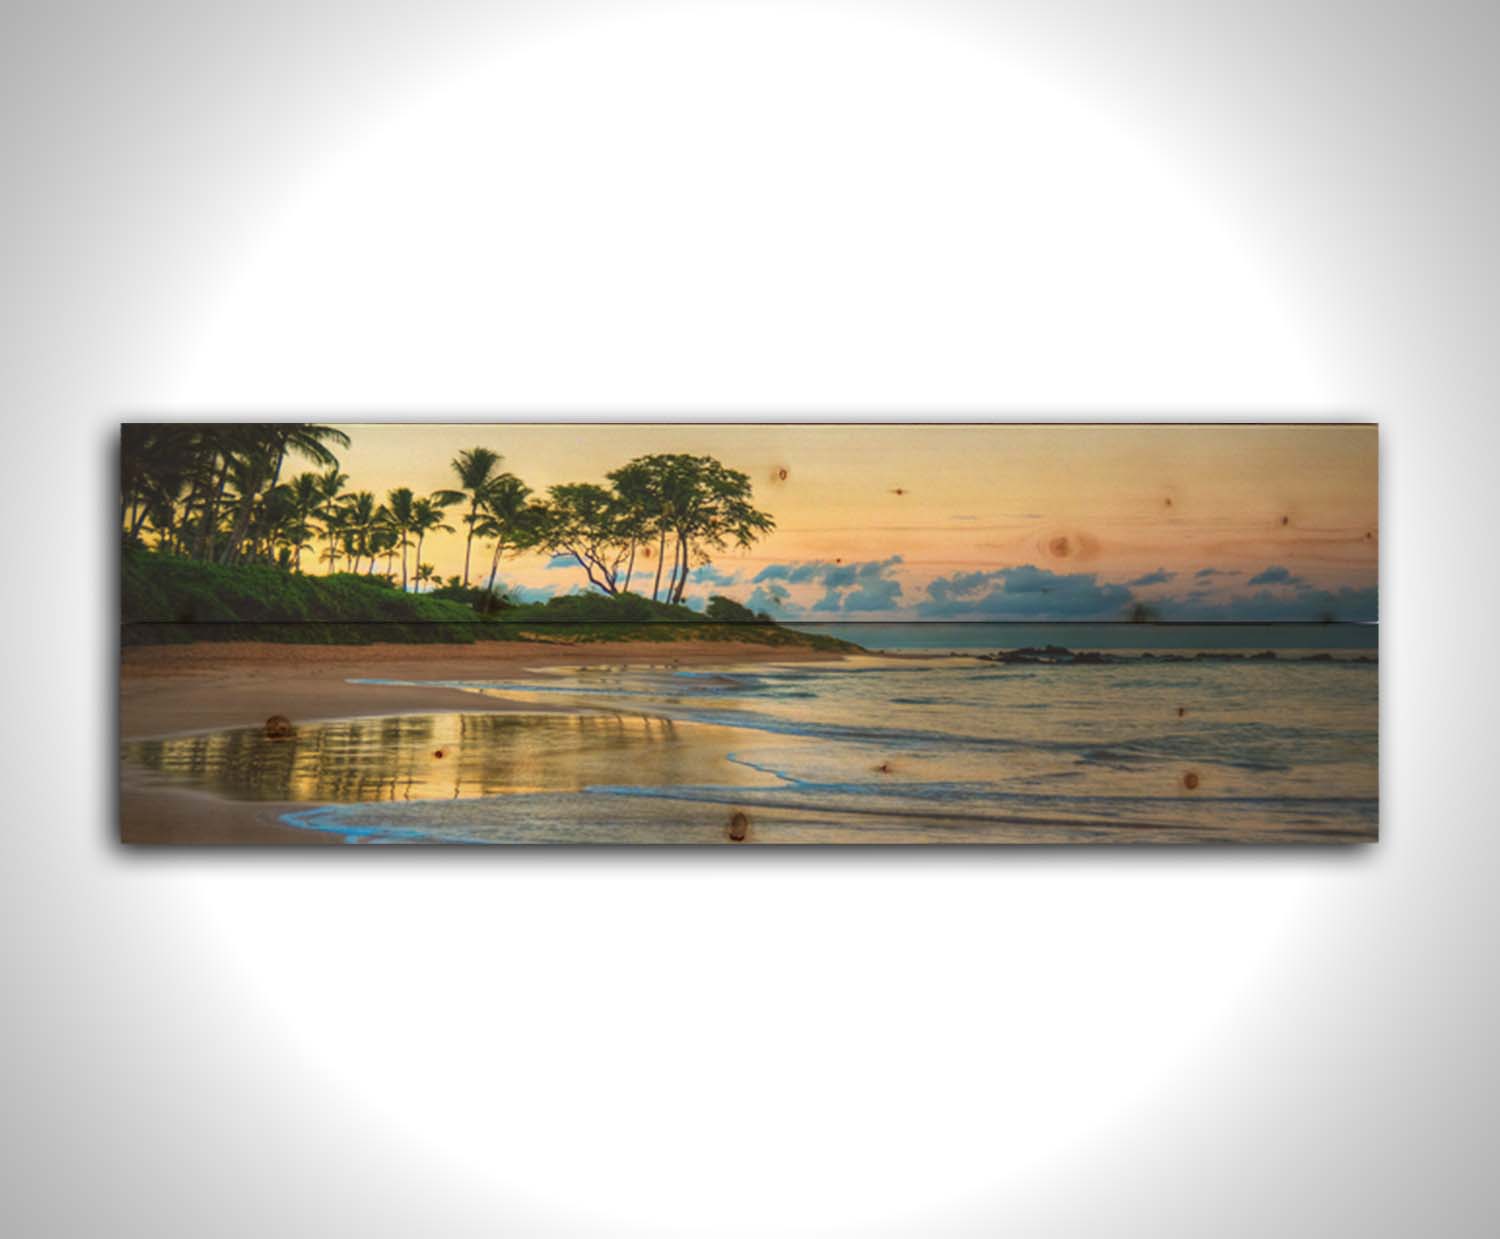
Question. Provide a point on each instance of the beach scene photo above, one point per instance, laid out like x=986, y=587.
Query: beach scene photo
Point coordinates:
x=748, y=633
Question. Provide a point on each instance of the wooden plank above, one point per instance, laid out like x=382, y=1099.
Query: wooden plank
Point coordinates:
x=747, y=633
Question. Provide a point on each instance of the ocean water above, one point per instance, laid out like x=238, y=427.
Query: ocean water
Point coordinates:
x=1166, y=748
x=1092, y=636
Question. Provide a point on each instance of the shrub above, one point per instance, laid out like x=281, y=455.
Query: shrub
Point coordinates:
x=166, y=598
x=482, y=601
x=604, y=609
x=728, y=611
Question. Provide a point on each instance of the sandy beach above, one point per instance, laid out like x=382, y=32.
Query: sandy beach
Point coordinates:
x=172, y=689
x=670, y=743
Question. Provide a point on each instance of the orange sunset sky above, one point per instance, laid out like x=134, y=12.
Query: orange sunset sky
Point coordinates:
x=974, y=521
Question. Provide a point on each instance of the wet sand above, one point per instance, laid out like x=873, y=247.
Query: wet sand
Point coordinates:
x=151, y=813
x=168, y=690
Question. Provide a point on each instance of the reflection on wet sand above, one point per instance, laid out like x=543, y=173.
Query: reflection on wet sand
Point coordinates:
x=442, y=756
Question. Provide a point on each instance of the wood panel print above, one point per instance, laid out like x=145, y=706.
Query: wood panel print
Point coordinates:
x=748, y=634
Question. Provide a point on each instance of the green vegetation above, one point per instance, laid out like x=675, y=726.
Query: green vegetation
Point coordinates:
x=631, y=617
x=691, y=503
x=215, y=494
x=215, y=540
x=167, y=598
x=728, y=611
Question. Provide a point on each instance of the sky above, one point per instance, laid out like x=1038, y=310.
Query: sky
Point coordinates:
x=972, y=521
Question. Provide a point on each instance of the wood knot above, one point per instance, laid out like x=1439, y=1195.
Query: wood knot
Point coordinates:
x=1190, y=780
x=1181, y=711
x=1074, y=545
x=739, y=827
x=885, y=767
x=279, y=727
x=439, y=753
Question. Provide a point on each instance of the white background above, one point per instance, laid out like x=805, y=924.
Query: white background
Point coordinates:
x=775, y=209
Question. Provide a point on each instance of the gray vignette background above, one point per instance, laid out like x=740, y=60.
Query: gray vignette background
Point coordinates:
x=702, y=209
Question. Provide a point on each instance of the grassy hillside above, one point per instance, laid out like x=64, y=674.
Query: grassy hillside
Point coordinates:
x=165, y=599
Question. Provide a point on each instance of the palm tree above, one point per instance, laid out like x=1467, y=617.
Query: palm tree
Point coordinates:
x=282, y=530
x=359, y=522
x=246, y=476
x=332, y=530
x=384, y=538
x=304, y=502
x=307, y=440
x=505, y=506
x=156, y=464
x=427, y=516
x=331, y=510
x=401, y=504
x=220, y=447
x=425, y=572
x=475, y=469
x=349, y=544
x=269, y=449
x=214, y=492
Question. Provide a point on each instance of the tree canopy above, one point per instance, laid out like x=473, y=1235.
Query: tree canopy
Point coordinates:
x=216, y=493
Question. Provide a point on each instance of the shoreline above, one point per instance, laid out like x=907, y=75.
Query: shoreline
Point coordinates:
x=172, y=689
x=187, y=691
x=167, y=690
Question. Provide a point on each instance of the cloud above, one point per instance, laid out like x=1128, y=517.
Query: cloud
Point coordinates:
x=1025, y=592
x=525, y=593
x=960, y=584
x=1308, y=605
x=713, y=576
x=867, y=586
x=1275, y=575
x=773, y=600
x=864, y=585
x=1361, y=605
x=879, y=594
x=562, y=561
x=798, y=573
